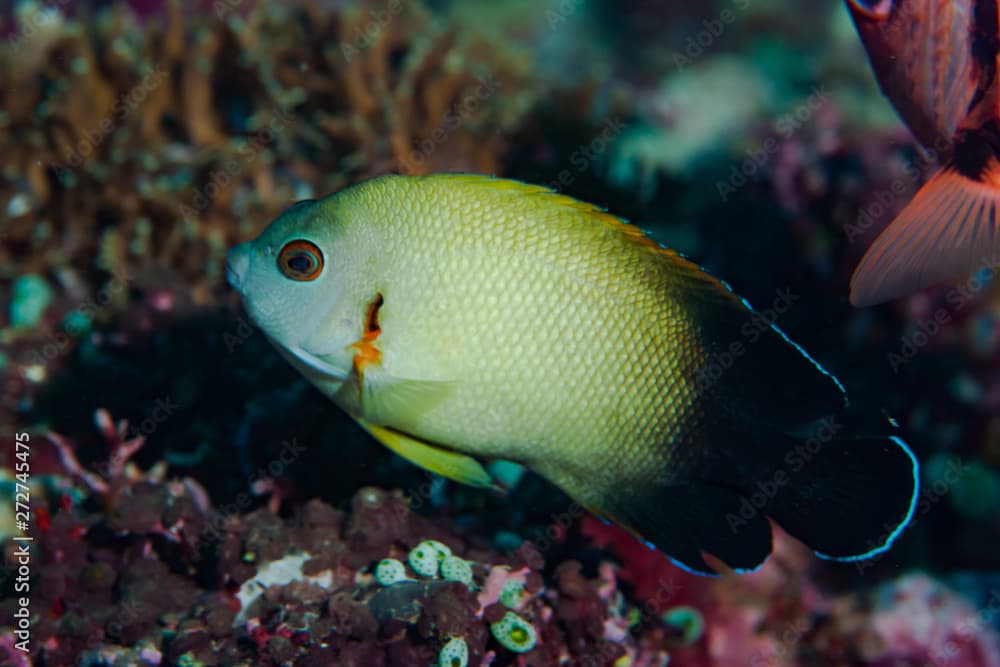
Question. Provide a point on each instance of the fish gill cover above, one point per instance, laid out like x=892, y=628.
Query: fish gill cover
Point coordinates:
x=192, y=501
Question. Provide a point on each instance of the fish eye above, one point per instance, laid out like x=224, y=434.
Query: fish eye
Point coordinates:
x=875, y=10
x=300, y=260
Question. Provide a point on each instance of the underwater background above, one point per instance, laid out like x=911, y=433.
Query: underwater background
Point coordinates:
x=193, y=501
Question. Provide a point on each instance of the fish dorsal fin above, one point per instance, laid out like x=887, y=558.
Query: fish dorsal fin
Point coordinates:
x=723, y=319
x=740, y=348
x=595, y=214
x=444, y=462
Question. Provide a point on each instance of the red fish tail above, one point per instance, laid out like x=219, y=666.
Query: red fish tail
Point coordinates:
x=950, y=230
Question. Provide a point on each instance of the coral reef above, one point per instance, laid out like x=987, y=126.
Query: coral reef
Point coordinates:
x=136, y=569
x=237, y=518
x=138, y=150
x=695, y=122
x=783, y=616
x=159, y=576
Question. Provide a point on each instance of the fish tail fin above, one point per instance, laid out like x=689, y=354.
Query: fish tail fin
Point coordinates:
x=847, y=498
x=948, y=231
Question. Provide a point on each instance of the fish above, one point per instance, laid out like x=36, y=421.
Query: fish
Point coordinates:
x=936, y=61
x=463, y=319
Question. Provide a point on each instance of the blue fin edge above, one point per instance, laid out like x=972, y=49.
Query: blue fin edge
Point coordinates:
x=882, y=548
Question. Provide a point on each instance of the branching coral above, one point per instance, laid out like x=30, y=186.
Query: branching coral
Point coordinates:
x=137, y=151
x=151, y=148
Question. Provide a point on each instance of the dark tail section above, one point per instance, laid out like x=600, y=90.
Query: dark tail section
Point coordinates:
x=738, y=461
x=847, y=498
x=686, y=519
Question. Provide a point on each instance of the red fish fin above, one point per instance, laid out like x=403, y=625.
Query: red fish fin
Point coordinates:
x=949, y=230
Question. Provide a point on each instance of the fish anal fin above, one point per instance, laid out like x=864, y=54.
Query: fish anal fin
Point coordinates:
x=851, y=499
x=948, y=231
x=848, y=501
x=686, y=520
x=436, y=459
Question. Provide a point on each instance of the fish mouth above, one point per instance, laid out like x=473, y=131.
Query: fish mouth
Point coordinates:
x=324, y=368
x=233, y=278
x=237, y=264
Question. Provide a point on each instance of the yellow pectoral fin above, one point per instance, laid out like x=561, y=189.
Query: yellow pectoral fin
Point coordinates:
x=385, y=397
x=444, y=462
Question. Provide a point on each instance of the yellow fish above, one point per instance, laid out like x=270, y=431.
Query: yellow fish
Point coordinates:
x=463, y=318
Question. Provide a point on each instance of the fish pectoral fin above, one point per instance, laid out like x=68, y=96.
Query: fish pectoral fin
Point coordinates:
x=444, y=462
x=384, y=396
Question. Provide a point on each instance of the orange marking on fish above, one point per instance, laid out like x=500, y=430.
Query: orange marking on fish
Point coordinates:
x=367, y=353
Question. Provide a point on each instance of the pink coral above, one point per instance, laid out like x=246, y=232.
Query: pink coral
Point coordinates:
x=495, y=580
x=11, y=655
x=918, y=620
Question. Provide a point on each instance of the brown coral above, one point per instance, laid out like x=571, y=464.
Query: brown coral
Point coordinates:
x=137, y=151
x=159, y=150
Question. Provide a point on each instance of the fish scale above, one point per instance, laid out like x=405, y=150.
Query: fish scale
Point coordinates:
x=467, y=318
x=542, y=349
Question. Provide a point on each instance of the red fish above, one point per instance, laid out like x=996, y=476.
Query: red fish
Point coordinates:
x=936, y=61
